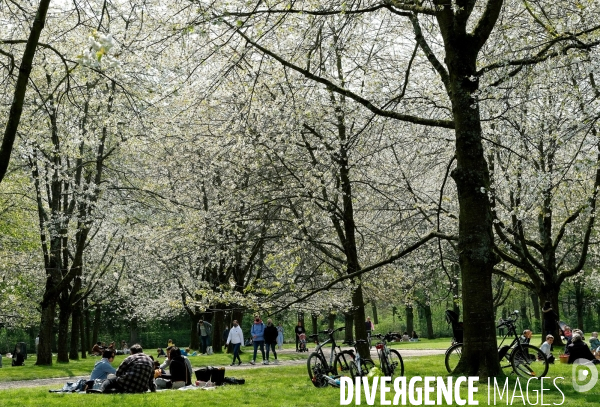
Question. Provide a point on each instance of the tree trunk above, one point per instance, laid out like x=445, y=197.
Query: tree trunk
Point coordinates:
x=194, y=336
x=64, y=314
x=331, y=320
x=83, y=333
x=315, y=323
x=348, y=333
x=536, y=312
x=97, y=319
x=88, y=324
x=133, y=332
x=46, y=334
x=16, y=108
x=579, y=303
x=218, y=324
x=428, y=320
x=374, y=310
x=550, y=293
x=410, y=319
x=359, y=321
x=75, y=335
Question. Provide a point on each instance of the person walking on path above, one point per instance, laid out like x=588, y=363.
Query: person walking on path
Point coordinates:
x=205, y=331
x=271, y=339
x=258, y=339
x=299, y=329
x=236, y=338
x=279, y=336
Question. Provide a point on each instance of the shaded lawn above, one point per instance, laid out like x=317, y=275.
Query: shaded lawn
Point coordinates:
x=289, y=386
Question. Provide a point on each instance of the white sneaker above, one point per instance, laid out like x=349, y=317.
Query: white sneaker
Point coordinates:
x=252, y=362
x=265, y=362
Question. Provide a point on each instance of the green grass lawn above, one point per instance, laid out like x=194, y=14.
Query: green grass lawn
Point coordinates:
x=280, y=386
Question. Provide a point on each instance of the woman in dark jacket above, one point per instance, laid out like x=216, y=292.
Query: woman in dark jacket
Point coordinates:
x=178, y=369
x=271, y=338
x=578, y=350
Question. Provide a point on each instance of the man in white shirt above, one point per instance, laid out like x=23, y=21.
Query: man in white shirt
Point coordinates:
x=236, y=338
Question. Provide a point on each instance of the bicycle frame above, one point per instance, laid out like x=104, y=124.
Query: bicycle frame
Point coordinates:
x=512, y=329
x=334, y=345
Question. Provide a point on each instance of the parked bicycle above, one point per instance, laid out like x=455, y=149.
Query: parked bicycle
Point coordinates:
x=359, y=367
x=339, y=360
x=524, y=359
x=389, y=359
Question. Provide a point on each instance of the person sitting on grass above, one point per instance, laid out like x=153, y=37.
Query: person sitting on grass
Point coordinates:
x=526, y=337
x=160, y=352
x=547, y=347
x=134, y=375
x=17, y=357
x=594, y=342
x=578, y=349
x=97, y=349
x=167, y=362
x=179, y=374
x=103, y=367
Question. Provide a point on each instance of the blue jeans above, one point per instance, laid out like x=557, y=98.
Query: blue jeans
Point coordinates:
x=236, y=352
x=262, y=349
x=204, y=343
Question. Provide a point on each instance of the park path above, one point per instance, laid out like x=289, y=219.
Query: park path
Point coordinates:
x=60, y=381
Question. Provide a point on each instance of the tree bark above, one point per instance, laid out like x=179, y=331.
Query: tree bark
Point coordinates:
x=331, y=320
x=97, y=321
x=579, y=303
x=410, y=319
x=16, y=108
x=428, y=320
x=315, y=323
x=374, y=310
x=348, y=333
x=64, y=314
x=75, y=333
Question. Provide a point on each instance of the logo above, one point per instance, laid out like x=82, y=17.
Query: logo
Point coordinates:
x=585, y=375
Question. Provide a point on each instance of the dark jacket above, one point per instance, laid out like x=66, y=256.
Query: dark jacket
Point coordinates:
x=179, y=371
x=579, y=350
x=271, y=334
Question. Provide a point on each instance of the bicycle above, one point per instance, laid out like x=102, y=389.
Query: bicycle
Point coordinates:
x=389, y=359
x=359, y=367
x=524, y=359
x=339, y=360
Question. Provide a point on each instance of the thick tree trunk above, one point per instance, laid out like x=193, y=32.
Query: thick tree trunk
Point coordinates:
x=348, y=333
x=476, y=240
x=64, y=314
x=428, y=320
x=331, y=320
x=359, y=321
x=410, y=319
x=75, y=335
x=194, y=336
x=46, y=334
x=218, y=328
x=315, y=323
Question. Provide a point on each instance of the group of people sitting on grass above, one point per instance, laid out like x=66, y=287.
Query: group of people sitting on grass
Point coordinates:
x=99, y=348
x=575, y=347
x=139, y=372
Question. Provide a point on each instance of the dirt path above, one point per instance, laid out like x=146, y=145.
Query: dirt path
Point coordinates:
x=59, y=382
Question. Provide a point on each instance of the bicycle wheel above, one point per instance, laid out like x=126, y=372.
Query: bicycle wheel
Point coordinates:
x=343, y=363
x=365, y=367
x=394, y=364
x=529, y=361
x=317, y=367
x=453, y=355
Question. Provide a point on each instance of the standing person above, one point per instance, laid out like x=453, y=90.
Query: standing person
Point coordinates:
x=280, y=336
x=500, y=328
x=370, y=328
x=549, y=317
x=37, y=343
x=258, y=339
x=205, y=330
x=236, y=338
x=134, y=375
x=299, y=329
x=271, y=339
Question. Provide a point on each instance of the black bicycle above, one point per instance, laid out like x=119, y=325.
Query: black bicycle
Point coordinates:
x=389, y=359
x=524, y=359
x=339, y=360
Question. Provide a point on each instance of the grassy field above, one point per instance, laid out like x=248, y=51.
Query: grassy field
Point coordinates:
x=280, y=386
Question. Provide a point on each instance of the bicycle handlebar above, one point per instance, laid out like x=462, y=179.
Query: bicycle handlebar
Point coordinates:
x=509, y=321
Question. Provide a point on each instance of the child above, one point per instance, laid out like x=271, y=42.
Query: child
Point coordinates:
x=546, y=347
x=594, y=342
